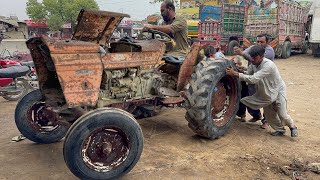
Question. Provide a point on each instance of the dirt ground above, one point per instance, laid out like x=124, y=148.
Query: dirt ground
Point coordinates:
x=173, y=151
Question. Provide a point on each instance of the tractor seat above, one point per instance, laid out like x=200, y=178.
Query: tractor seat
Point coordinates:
x=173, y=59
x=14, y=71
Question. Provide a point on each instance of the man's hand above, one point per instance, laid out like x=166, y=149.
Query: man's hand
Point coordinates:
x=146, y=27
x=237, y=50
x=231, y=72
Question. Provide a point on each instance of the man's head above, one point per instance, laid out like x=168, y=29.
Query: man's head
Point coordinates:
x=167, y=10
x=209, y=51
x=257, y=54
x=262, y=40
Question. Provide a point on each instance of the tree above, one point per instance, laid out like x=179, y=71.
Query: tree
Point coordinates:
x=157, y=1
x=58, y=12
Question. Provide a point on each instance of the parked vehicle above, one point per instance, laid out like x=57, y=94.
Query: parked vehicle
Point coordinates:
x=13, y=85
x=314, y=36
x=283, y=20
x=15, y=82
x=191, y=14
x=222, y=25
x=92, y=96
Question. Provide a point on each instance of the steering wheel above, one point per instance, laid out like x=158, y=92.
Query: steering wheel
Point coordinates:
x=154, y=32
x=168, y=40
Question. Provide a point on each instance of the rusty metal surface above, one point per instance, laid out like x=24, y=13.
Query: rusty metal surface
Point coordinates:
x=80, y=77
x=150, y=45
x=133, y=59
x=129, y=106
x=97, y=26
x=71, y=46
x=224, y=101
x=172, y=100
x=41, y=118
x=187, y=67
x=105, y=149
x=39, y=60
x=218, y=98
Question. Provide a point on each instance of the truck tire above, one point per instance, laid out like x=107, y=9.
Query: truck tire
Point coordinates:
x=31, y=120
x=231, y=45
x=105, y=143
x=305, y=47
x=286, y=50
x=212, y=99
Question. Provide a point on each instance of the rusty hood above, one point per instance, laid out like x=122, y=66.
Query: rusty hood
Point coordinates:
x=96, y=26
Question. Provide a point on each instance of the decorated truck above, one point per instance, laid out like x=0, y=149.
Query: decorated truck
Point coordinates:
x=222, y=25
x=314, y=37
x=283, y=20
x=190, y=12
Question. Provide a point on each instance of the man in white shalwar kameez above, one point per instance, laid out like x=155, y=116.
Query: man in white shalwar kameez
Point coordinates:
x=270, y=91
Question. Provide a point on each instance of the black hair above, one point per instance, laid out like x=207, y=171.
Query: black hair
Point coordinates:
x=256, y=50
x=170, y=5
x=264, y=35
x=209, y=50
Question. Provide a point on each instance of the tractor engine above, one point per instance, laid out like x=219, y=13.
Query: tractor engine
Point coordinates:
x=133, y=83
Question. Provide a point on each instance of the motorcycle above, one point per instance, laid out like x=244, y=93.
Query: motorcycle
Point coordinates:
x=13, y=85
x=16, y=79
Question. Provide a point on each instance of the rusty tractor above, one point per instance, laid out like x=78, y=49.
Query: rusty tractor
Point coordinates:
x=92, y=90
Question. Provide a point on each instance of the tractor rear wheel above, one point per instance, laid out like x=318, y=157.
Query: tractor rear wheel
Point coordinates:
x=213, y=98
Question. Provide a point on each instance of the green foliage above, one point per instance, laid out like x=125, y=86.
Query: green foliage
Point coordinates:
x=157, y=1
x=58, y=12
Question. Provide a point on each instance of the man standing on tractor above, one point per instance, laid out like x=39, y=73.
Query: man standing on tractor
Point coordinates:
x=271, y=91
x=174, y=26
x=262, y=40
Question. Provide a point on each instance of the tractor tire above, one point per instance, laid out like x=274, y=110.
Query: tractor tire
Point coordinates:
x=231, y=45
x=32, y=122
x=212, y=99
x=286, y=50
x=105, y=143
x=22, y=85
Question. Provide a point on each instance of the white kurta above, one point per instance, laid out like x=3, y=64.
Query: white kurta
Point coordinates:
x=268, y=83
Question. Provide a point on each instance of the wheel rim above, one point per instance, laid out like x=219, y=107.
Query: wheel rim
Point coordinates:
x=41, y=119
x=105, y=149
x=223, y=101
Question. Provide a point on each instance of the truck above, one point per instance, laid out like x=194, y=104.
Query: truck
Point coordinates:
x=191, y=13
x=314, y=36
x=221, y=25
x=283, y=20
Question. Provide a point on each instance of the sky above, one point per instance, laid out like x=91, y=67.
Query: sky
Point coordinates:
x=137, y=9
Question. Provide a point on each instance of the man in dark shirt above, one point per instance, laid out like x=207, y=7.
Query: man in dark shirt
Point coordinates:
x=174, y=26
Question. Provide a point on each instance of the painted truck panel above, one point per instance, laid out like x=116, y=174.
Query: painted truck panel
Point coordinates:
x=283, y=20
x=222, y=24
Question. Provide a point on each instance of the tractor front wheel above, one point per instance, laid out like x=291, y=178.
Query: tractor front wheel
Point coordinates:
x=103, y=144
